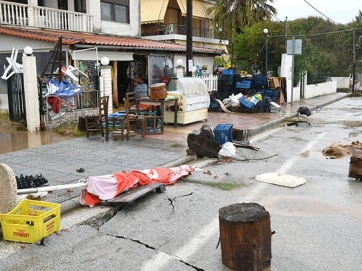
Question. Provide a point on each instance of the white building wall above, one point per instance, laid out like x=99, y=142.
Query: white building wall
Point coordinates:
x=316, y=90
x=106, y=72
x=286, y=71
x=342, y=82
x=131, y=29
x=31, y=94
x=208, y=60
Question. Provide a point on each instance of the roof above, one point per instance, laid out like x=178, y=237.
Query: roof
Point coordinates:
x=92, y=39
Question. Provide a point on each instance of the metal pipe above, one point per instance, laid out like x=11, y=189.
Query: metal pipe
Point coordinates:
x=82, y=183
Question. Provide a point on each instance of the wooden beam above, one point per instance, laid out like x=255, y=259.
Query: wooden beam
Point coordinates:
x=115, y=84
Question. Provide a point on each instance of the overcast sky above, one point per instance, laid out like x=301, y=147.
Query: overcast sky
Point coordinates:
x=340, y=11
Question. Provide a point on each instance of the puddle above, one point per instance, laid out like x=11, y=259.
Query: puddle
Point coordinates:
x=16, y=141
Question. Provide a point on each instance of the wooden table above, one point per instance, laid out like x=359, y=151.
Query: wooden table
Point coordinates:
x=162, y=104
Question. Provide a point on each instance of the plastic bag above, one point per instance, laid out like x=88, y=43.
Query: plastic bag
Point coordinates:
x=234, y=99
x=228, y=150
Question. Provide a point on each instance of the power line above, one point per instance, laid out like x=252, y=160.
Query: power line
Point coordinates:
x=320, y=12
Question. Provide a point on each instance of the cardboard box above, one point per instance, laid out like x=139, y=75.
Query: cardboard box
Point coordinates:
x=274, y=82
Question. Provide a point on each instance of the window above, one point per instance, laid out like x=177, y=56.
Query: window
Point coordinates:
x=63, y=4
x=80, y=6
x=115, y=10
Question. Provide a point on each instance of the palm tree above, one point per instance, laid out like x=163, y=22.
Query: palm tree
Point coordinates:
x=232, y=15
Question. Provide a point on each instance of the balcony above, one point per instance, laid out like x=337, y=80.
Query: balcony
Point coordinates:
x=170, y=29
x=42, y=17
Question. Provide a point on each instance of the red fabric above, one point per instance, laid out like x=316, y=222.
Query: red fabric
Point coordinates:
x=133, y=179
x=55, y=103
x=91, y=199
x=125, y=181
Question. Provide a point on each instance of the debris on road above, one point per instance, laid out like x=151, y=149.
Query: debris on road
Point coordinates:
x=280, y=179
x=355, y=165
x=203, y=142
x=338, y=149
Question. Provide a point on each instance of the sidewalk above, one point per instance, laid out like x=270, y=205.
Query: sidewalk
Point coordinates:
x=59, y=162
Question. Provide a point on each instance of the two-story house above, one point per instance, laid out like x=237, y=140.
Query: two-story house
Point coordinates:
x=113, y=27
x=166, y=20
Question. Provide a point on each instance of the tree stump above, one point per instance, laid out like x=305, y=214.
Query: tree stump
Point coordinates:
x=245, y=237
x=203, y=142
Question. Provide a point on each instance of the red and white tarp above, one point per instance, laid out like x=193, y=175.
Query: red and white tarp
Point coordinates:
x=107, y=187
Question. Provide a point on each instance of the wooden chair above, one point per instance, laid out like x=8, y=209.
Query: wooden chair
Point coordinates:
x=140, y=122
x=132, y=104
x=99, y=123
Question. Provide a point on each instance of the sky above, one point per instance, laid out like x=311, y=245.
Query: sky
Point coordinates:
x=340, y=11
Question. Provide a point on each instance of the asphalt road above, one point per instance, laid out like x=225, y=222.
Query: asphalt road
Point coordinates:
x=317, y=224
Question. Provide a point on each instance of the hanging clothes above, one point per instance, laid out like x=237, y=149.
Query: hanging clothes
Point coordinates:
x=55, y=104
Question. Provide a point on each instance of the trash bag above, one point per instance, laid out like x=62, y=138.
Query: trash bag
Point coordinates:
x=304, y=110
x=228, y=150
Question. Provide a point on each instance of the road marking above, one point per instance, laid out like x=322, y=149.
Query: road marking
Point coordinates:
x=211, y=230
x=291, y=161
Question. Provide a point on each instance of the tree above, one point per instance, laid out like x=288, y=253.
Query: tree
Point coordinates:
x=250, y=53
x=233, y=15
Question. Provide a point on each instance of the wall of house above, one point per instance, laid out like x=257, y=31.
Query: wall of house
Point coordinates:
x=203, y=60
x=115, y=28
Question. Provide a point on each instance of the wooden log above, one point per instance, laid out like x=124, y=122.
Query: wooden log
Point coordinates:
x=245, y=237
x=115, y=85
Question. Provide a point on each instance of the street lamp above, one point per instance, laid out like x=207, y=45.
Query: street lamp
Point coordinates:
x=266, y=50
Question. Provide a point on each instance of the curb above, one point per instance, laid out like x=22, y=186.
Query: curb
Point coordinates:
x=180, y=161
x=69, y=205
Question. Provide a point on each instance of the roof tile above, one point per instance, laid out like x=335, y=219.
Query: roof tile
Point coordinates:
x=69, y=38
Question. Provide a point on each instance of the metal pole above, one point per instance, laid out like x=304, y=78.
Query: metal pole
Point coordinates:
x=293, y=52
x=266, y=54
x=189, y=63
x=354, y=61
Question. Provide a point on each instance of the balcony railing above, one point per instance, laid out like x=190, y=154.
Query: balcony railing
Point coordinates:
x=169, y=29
x=35, y=16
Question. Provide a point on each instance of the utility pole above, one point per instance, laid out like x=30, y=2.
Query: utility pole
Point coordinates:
x=189, y=61
x=354, y=60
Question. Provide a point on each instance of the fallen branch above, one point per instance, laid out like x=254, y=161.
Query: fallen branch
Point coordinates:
x=249, y=159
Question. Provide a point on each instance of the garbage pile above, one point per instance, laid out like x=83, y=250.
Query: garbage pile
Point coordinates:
x=247, y=94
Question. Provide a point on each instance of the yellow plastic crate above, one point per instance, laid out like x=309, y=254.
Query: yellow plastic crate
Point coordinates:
x=30, y=221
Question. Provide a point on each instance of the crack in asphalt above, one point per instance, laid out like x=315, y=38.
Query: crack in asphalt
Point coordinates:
x=173, y=199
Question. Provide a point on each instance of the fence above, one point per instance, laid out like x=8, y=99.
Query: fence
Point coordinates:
x=210, y=81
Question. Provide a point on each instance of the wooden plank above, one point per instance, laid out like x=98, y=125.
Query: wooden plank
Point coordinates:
x=114, y=84
x=137, y=193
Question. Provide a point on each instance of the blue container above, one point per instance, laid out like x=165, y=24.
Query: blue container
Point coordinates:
x=260, y=81
x=223, y=133
x=271, y=93
x=245, y=103
x=227, y=72
x=243, y=84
